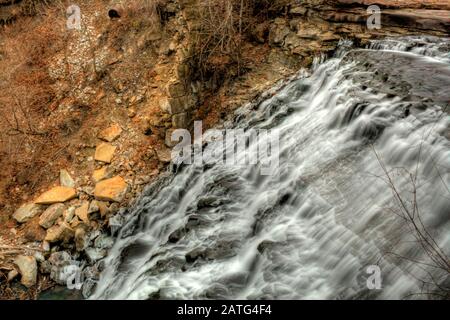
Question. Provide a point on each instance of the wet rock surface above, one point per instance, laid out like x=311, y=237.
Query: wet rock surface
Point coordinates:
x=413, y=77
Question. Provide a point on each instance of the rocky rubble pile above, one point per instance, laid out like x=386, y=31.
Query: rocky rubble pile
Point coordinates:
x=74, y=220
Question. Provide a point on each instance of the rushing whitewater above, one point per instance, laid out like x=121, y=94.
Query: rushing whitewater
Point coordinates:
x=311, y=228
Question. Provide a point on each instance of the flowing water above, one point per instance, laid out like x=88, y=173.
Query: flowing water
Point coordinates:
x=310, y=229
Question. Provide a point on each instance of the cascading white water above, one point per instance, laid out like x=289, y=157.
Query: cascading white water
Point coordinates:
x=427, y=46
x=310, y=229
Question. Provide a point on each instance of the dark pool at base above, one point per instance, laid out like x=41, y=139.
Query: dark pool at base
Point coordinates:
x=60, y=293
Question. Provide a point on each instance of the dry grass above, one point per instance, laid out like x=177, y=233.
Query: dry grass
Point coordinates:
x=26, y=91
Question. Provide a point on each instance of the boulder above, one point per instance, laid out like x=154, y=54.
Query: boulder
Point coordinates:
x=81, y=238
x=60, y=233
x=65, y=179
x=57, y=195
x=33, y=231
x=105, y=152
x=27, y=212
x=111, y=133
x=82, y=212
x=102, y=174
x=28, y=270
x=113, y=189
x=49, y=217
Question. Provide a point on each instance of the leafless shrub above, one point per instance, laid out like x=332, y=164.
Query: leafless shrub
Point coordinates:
x=219, y=36
x=27, y=93
x=407, y=210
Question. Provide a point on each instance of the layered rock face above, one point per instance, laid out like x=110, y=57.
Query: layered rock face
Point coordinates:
x=399, y=4
x=348, y=18
x=420, y=15
x=308, y=28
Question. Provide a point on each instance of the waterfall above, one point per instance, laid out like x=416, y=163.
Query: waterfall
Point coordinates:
x=311, y=228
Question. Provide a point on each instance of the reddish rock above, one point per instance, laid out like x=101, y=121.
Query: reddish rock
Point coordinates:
x=82, y=212
x=102, y=174
x=113, y=189
x=105, y=152
x=111, y=133
x=57, y=195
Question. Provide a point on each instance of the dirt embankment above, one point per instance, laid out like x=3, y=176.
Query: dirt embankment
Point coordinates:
x=87, y=114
